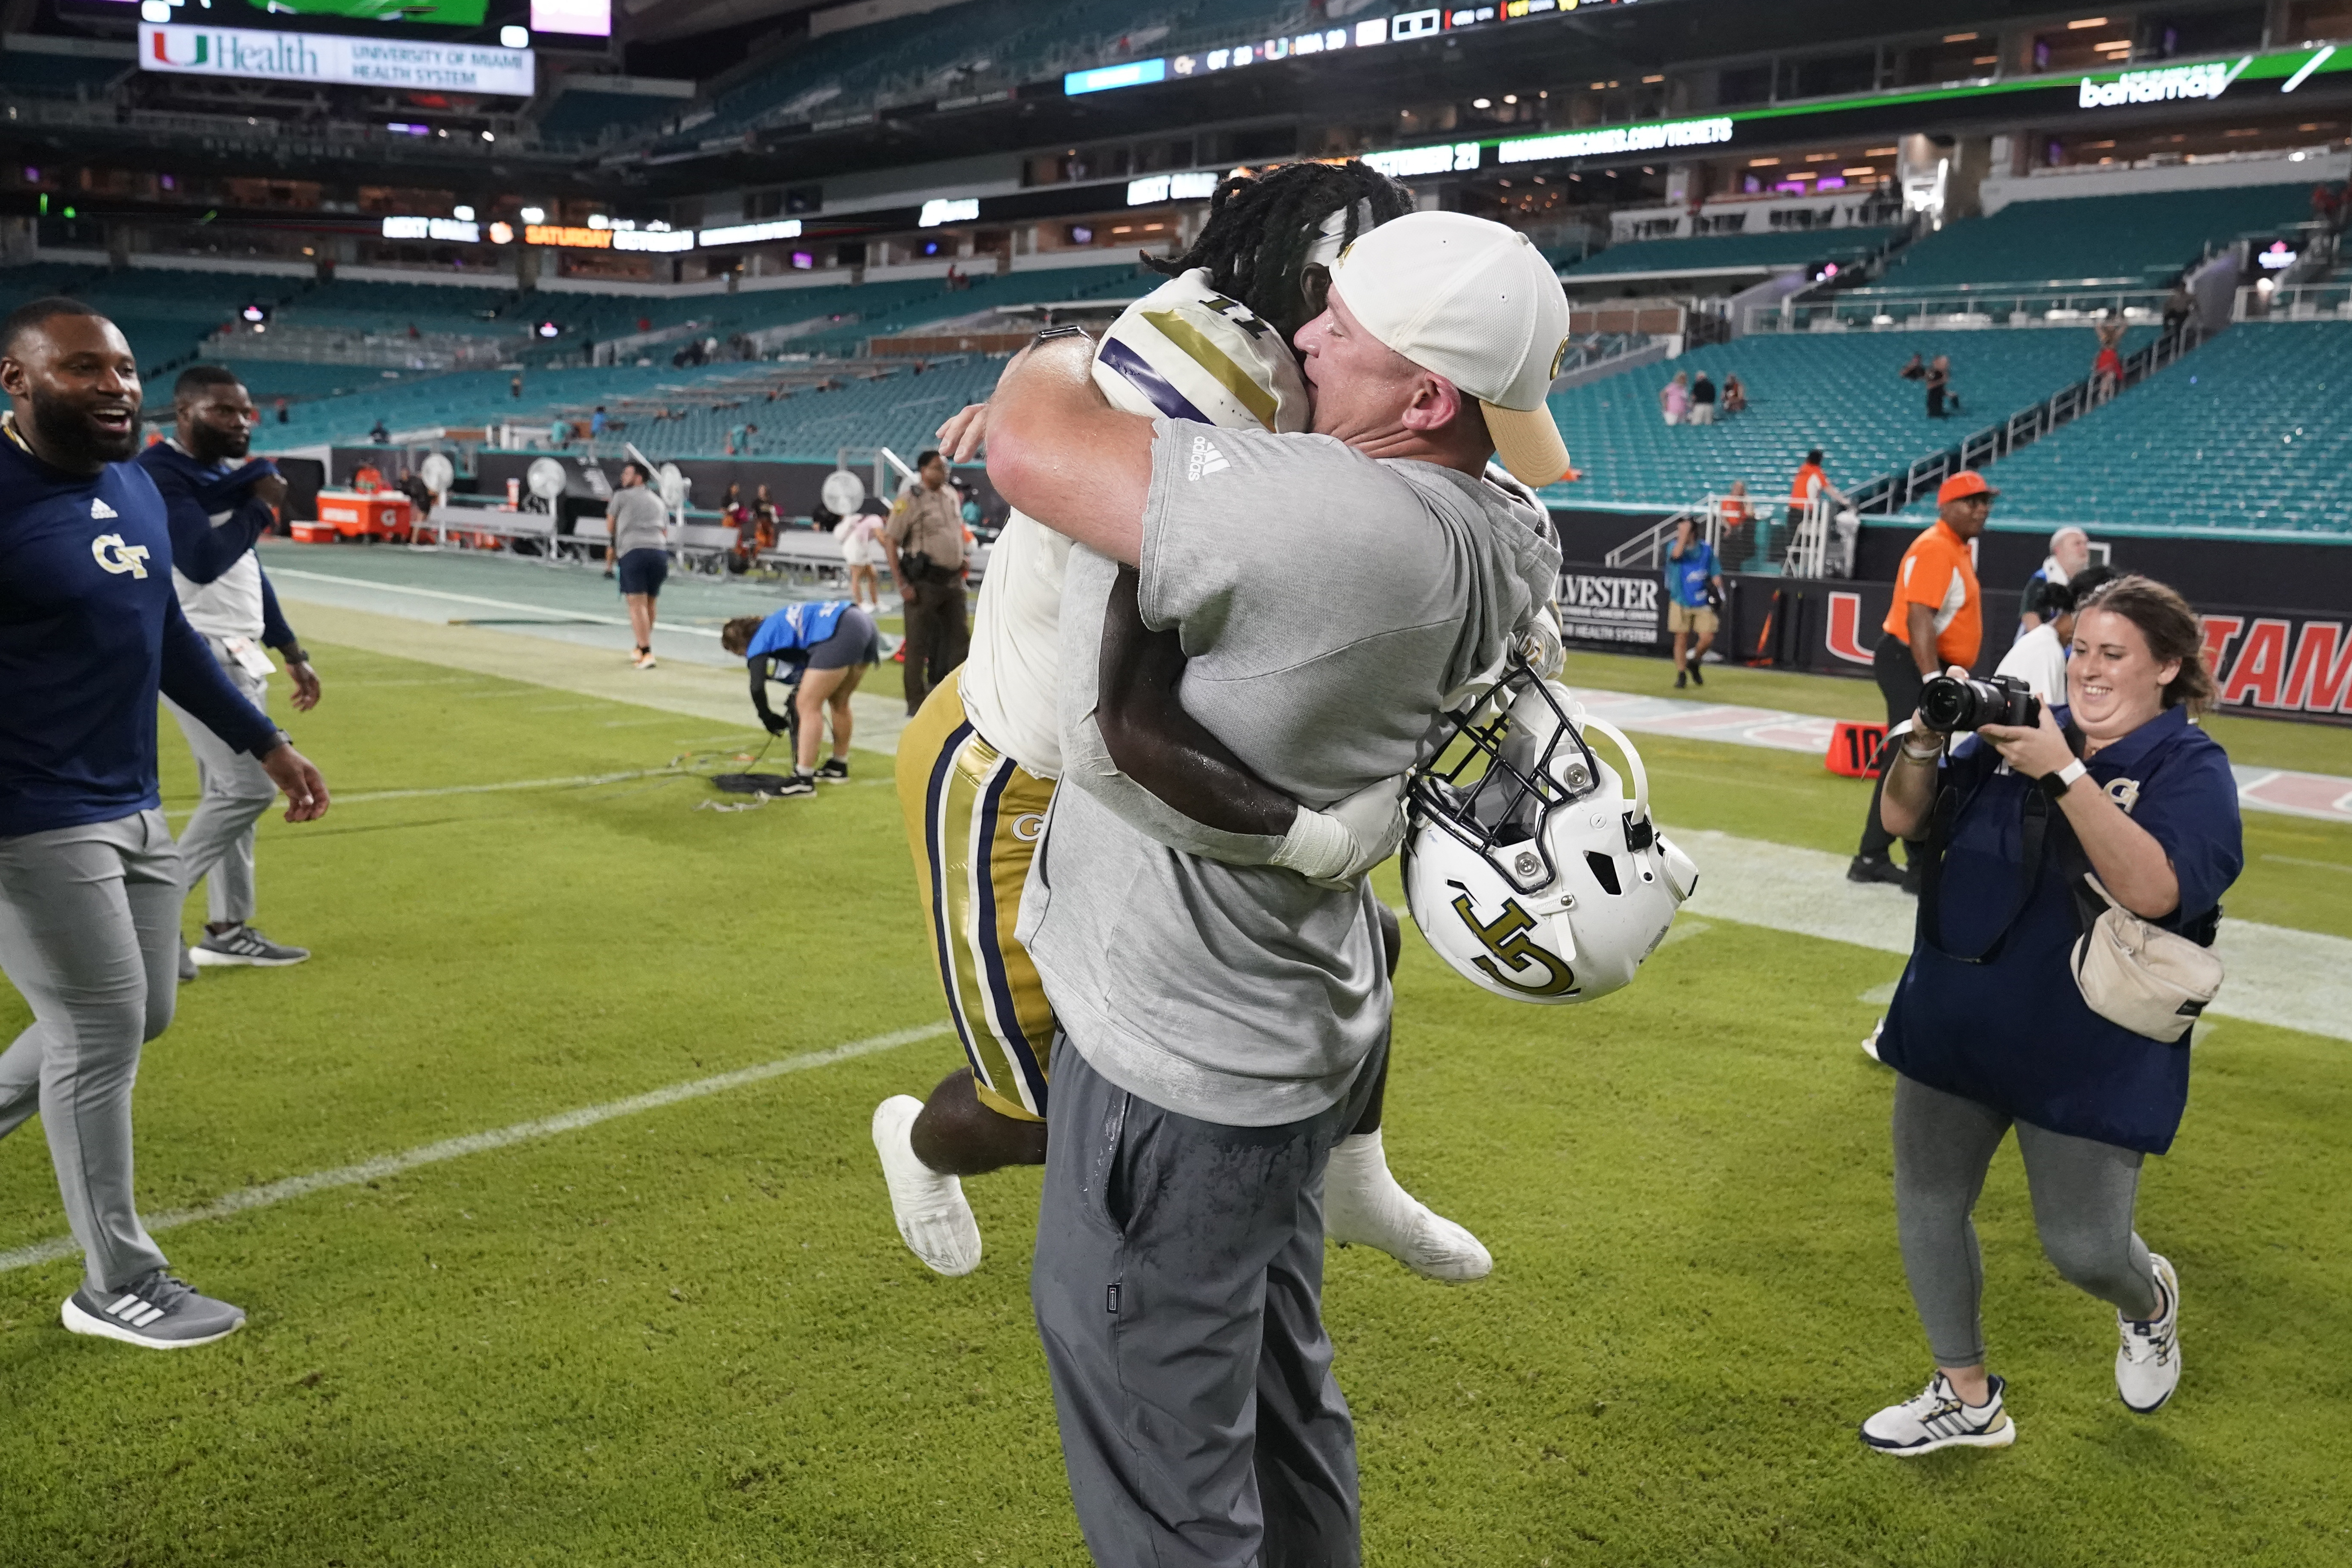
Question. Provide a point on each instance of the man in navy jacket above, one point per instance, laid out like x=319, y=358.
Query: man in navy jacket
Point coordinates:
x=90, y=880
x=218, y=505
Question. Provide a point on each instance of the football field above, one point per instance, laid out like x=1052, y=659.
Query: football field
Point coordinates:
x=548, y=1186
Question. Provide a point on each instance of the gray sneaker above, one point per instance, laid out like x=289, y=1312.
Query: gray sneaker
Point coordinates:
x=243, y=945
x=187, y=965
x=155, y=1309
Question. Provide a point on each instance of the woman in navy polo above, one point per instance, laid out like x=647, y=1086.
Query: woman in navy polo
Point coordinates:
x=2002, y=1036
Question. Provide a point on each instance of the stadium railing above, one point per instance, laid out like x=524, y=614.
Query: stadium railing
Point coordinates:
x=2296, y=302
x=2071, y=304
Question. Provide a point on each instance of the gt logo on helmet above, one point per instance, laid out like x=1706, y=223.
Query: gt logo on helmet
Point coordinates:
x=1506, y=939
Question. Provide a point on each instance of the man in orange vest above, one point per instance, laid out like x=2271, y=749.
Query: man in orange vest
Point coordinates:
x=1811, y=484
x=1936, y=620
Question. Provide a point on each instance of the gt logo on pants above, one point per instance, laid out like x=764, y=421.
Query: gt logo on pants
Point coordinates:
x=116, y=557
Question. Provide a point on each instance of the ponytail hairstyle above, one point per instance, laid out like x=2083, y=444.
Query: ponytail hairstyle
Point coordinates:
x=737, y=633
x=1262, y=227
x=2170, y=627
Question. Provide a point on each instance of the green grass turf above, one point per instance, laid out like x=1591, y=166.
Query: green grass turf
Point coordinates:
x=690, y=1336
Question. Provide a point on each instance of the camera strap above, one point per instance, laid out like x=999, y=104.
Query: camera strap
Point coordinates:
x=2033, y=840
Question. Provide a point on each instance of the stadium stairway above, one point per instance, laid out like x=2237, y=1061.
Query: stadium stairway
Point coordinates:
x=2246, y=437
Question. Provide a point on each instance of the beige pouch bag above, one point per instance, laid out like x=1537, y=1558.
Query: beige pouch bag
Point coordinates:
x=2151, y=981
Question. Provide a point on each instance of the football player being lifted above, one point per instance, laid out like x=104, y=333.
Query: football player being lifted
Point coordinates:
x=977, y=768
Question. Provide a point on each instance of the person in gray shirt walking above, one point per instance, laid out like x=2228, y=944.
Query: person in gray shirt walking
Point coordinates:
x=640, y=552
x=1225, y=1024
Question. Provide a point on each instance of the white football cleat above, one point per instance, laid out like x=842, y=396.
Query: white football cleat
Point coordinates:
x=1362, y=1201
x=1937, y=1418
x=934, y=1218
x=2147, y=1363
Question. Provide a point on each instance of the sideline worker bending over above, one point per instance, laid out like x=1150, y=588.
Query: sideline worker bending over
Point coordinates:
x=90, y=880
x=218, y=505
x=825, y=648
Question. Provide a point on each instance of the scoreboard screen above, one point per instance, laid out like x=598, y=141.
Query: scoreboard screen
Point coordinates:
x=436, y=20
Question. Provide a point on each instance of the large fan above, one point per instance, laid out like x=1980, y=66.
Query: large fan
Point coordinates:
x=843, y=492
x=672, y=485
x=437, y=472
x=547, y=480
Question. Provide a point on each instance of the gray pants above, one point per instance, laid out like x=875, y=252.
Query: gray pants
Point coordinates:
x=216, y=846
x=2082, y=1196
x=1179, y=1286
x=89, y=931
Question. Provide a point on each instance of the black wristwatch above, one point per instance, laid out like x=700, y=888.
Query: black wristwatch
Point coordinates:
x=294, y=653
x=1067, y=329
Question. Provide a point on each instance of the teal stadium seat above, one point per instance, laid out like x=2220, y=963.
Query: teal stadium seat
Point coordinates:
x=1798, y=249
x=1837, y=391
x=2245, y=437
x=2142, y=239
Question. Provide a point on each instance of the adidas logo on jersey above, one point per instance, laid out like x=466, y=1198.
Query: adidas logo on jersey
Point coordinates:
x=1205, y=460
x=99, y=511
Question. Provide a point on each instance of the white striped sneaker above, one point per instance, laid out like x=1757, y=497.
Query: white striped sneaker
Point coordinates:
x=1937, y=1419
x=156, y=1310
x=2147, y=1363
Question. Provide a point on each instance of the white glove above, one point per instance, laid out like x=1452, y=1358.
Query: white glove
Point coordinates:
x=1335, y=846
x=1539, y=645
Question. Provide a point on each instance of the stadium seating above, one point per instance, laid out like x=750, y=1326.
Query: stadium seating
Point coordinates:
x=2246, y=435
x=1797, y=249
x=24, y=75
x=593, y=117
x=2142, y=239
x=1838, y=391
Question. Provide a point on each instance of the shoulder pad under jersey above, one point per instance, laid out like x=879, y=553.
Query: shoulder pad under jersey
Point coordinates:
x=1186, y=352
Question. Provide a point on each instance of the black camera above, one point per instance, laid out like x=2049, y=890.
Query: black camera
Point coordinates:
x=1951, y=705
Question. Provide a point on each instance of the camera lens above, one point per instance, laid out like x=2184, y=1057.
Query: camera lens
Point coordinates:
x=1948, y=705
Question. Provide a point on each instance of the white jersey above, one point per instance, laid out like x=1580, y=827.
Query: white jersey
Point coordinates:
x=1184, y=351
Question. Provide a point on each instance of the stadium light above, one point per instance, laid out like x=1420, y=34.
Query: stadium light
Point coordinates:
x=534, y=215
x=463, y=211
x=550, y=329
x=515, y=38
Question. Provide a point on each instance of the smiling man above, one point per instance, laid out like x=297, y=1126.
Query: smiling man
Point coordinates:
x=1224, y=1025
x=90, y=880
x=218, y=504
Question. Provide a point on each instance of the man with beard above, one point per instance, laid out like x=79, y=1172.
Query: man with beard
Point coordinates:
x=218, y=504
x=977, y=767
x=90, y=880
x=1223, y=1024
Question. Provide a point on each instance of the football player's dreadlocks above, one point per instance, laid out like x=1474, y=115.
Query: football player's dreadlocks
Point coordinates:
x=1261, y=228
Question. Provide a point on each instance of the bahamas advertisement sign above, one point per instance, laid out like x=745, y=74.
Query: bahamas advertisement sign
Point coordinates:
x=320, y=57
x=2210, y=79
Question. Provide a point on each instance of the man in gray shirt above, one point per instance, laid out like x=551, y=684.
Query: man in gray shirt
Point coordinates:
x=639, y=552
x=1226, y=1022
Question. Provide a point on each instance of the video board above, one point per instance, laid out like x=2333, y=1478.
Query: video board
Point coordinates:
x=431, y=20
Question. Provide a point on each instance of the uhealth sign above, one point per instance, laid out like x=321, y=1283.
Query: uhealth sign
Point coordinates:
x=334, y=57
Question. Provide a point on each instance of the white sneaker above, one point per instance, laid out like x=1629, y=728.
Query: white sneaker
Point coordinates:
x=2147, y=1363
x=1362, y=1201
x=1869, y=1042
x=1937, y=1418
x=934, y=1219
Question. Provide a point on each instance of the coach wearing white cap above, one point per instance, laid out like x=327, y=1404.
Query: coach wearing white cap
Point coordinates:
x=1224, y=1025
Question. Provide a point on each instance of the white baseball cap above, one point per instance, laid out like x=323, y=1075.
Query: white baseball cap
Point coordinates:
x=1474, y=301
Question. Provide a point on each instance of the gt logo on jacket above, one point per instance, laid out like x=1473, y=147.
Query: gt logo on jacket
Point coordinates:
x=116, y=557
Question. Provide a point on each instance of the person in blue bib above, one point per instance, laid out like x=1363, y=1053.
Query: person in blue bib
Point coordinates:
x=1691, y=572
x=2116, y=798
x=821, y=649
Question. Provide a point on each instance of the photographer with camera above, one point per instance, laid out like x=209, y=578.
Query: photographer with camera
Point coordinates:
x=2076, y=862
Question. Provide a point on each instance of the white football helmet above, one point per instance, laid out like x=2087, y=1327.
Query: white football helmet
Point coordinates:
x=1525, y=867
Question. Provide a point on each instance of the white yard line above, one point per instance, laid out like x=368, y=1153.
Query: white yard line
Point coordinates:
x=574, y=616
x=273, y=1192
x=2294, y=979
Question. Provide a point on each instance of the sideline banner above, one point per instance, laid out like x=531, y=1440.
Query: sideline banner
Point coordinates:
x=2283, y=664
x=336, y=57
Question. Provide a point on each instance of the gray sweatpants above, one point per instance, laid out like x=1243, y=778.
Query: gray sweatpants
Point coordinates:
x=2082, y=1196
x=89, y=931
x=1178, y=1285
x=216, y=846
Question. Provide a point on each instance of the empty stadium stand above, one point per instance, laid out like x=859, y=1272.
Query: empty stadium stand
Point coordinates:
x=1839, y=392
x=2139, y=239
x=2245, y=437
x=1758, y=251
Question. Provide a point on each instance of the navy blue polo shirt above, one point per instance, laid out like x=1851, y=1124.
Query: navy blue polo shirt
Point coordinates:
x=90, y=628
x=2015, y=1033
